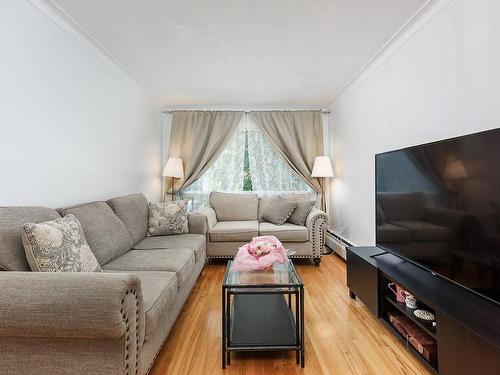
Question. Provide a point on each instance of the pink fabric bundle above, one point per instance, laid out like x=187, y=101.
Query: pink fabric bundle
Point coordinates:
x=260, y=254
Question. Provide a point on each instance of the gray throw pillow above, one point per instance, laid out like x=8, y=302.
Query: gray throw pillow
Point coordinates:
x=299, y=215
x=58, y=246
x=279, y=210
x=168, y=218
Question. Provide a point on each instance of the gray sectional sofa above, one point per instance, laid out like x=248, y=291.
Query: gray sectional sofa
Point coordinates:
x=113, y=322
x=234, y=219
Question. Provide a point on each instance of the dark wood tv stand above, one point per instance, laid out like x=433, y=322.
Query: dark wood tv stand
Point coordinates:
x=467, y=328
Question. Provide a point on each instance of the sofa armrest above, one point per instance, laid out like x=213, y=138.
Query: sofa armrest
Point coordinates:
x=317, y=222
x=91, y=323
x=71, y=305
x=211, y=216
x=197, y=223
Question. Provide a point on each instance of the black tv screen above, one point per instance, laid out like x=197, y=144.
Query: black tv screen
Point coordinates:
x=438, y=205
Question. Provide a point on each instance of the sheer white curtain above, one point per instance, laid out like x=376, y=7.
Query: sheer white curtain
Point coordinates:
x=226, y=174
x=269, y=175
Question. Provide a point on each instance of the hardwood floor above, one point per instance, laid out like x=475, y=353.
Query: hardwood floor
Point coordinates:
x=342, y=337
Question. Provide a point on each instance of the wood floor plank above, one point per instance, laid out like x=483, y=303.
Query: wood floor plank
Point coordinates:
x=342, y=337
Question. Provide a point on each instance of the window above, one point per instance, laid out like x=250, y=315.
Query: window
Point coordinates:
x=247, y=164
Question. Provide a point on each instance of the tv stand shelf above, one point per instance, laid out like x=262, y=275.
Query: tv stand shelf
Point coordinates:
x=467, y=329
x=425, y=325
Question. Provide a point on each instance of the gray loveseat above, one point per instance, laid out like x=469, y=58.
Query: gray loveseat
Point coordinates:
x=234, y=219
x=113, y=322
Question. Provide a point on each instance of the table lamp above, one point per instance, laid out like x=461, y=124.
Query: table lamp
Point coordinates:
x=173, y=169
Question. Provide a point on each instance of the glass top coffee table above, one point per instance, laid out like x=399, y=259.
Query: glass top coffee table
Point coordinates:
x=262, y=311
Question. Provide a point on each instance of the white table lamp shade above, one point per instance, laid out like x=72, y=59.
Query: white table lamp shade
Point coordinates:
x=174, y=168
x=322, y=167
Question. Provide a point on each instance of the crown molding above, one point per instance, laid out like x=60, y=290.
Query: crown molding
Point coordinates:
x=419, y=19
x=69, y=25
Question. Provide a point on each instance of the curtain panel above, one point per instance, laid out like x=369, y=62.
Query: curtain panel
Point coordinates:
x=297, y=137
x=198, y=138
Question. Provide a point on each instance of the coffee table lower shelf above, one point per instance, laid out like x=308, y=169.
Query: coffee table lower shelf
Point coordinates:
x=263, y=322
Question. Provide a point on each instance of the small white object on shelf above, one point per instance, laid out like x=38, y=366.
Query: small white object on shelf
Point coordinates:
x=424, y=314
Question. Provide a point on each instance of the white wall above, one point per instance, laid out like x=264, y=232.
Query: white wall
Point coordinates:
x=443, y=81
x=73, y=126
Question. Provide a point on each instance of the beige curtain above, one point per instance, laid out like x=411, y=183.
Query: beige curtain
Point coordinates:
x=297, y=136
x=198, y=138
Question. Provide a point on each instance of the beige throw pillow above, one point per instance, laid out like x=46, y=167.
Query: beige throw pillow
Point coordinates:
x=279, y=210
x=58, y=246
x=299, y=215
x=168, y=218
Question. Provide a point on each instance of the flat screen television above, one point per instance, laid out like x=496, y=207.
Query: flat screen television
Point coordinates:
x=438, y=205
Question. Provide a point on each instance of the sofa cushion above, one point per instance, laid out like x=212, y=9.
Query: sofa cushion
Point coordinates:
x=299, y=215
x=264, y=202
x=286, y=232
x=225, y=231
x=106, y=234
x=12, y=255
x=392, y=234
x=423, y=231
x=279, y=210
x=133, y=211
x=168, y=218
x=180, y=261
x=195, y=242
x=234, y=207
x=58, y=245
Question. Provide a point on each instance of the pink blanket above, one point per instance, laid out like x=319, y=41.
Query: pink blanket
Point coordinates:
x=260, y=254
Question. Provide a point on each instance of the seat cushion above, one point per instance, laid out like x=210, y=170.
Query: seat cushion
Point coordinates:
x=285, y=232
x=12, y=255
x=180, y=261
x=423, y=231
x=159, y=289
x=234, y=207
x=226, y=231
x=391, y=233
x=133, y=211
x=195, y=242
x=106, y=234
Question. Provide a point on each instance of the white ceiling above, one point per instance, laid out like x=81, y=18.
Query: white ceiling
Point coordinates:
x=242, y=53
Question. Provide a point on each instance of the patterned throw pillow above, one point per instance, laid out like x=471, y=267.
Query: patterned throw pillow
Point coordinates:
x=168, y=218
x=58, y=246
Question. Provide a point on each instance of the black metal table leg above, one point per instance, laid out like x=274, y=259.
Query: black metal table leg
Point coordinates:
x=223, y=327
x=302, y=336
x=297, y=326
x=228, y=325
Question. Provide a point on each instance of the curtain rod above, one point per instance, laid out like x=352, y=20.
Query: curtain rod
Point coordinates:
x=325, y=111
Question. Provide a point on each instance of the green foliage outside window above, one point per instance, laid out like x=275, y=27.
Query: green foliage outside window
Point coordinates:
x=247, y=177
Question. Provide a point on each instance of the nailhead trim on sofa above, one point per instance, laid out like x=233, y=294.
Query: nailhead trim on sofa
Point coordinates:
x=127, y=330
